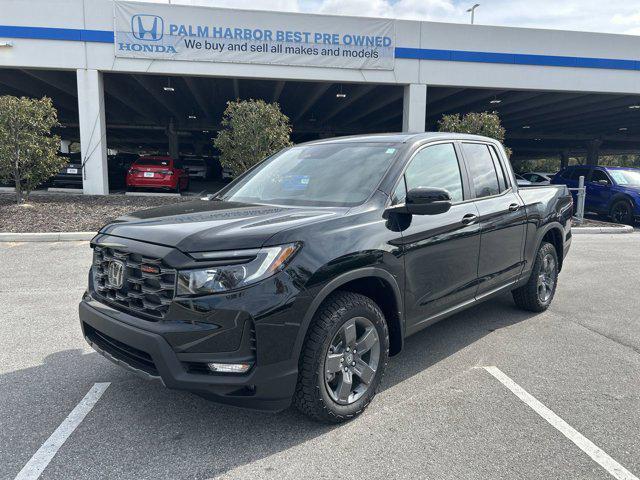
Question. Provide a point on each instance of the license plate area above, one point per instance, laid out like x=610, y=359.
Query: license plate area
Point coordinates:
x=148, y=174
x=72, y=171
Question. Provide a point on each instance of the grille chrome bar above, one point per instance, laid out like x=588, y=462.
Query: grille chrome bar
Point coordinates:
x=147, y=293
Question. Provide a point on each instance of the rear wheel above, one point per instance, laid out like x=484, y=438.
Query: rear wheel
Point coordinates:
x=343, y=359
x=537, y=294
x=622, y=212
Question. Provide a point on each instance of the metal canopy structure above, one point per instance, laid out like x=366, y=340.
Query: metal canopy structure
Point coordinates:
x=139, y=109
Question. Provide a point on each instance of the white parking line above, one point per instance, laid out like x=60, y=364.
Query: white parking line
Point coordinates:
x=47, y=451
x=582, y=442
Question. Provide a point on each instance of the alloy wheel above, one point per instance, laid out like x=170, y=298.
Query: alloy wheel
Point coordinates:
x=352, y=360
x=546, y=278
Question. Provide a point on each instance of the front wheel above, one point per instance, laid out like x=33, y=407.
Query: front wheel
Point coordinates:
x=343, y=359
x=536, y=295
x=622, y=212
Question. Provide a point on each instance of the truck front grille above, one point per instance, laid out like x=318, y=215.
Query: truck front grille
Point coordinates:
x=148, y=285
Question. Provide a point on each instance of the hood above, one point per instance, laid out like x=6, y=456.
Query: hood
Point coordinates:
x=213, y=225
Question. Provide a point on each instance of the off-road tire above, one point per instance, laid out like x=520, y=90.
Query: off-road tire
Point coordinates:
x=311, y=396
x=527, y=297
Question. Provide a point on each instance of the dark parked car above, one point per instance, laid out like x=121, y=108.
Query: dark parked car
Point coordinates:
x=119, y=165
x=298, y=280
x=71, y=174
x=611, y=191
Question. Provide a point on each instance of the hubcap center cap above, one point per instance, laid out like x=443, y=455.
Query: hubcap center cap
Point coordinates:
x=349, y=358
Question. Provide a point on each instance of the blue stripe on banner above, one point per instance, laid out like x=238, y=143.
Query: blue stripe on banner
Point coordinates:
x=105, y=36
x=46, y=33
x=516, y=59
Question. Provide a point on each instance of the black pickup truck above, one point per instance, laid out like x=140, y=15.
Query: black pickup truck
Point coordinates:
x=297, y=281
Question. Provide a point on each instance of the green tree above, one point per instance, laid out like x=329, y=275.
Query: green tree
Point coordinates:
x=27, y=147
x=251, y=131
x=477, y=123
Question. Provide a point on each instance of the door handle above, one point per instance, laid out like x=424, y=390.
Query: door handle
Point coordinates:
x=469, y=219
x=513, y=207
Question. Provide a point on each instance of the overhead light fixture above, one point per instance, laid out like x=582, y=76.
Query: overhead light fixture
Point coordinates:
x=634, y=107
x=192, y=117
x=538, y=139
x=341, y=94
x=168, y=87
x=623, y=129
x=495, y=101
x=526, y=127
x=205, y=131
x=312, y=118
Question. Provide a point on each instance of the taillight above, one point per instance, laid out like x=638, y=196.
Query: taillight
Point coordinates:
x=166, y=172
x=133, y=171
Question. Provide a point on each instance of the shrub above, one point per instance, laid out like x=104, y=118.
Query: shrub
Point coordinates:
x=251, y=131
x=28, y=150
x=485, y=123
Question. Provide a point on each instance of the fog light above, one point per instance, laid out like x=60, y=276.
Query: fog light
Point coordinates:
x=229, y=367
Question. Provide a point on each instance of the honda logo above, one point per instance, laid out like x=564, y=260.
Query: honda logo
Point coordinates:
x=147, y=27
x=115, y=274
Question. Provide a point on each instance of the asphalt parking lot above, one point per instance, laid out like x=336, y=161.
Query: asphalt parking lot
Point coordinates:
x=438, y=415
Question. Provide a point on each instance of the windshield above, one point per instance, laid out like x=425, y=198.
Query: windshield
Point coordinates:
x=153, y=161
x=625, y=177
x=334, y=174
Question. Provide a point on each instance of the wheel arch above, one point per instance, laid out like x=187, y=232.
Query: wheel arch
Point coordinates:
x=554, y=234
x=620, y=196
x=376, y=283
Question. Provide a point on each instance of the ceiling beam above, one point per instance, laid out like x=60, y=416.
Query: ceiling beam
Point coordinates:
x=197, y=95
x=277, y=90
x=317, y=91
x=381, y=102
x=464, y=100
x=155, y=93
x=354, y=96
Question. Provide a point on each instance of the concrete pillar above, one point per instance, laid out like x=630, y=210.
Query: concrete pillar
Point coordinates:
x=564, y=159
x=64, y=146
x=93, y=132
x=414, y=108
x=174, y=144
x=593, y=151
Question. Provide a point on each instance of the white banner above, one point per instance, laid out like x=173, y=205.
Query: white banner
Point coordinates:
x=178, y=32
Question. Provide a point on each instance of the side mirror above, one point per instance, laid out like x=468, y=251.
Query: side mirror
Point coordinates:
x=423, y=201
x=427, y=201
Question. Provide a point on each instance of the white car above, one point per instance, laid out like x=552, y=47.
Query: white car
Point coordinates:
x=543, y=178
x=198, y=167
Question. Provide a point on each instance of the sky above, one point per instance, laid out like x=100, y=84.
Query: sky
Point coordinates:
x=611, y=16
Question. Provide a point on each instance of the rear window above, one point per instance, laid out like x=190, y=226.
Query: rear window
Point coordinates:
x=156, y=162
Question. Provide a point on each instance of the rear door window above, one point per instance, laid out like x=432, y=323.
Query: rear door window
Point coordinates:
x=598, y=175
x=484, y=177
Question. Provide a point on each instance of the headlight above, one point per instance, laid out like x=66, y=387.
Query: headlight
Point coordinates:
x=257, y=265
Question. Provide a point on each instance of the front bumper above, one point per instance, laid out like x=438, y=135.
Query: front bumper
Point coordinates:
x=140, y=347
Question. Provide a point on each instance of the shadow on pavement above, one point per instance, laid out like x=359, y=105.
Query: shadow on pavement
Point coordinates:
x=139, y=429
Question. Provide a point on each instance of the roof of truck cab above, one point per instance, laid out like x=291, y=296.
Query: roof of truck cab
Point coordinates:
x=398, y=138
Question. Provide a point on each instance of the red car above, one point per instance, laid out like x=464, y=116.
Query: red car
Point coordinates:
x=158, y=172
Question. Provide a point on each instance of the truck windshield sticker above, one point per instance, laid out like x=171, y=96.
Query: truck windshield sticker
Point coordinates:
x=295, y=182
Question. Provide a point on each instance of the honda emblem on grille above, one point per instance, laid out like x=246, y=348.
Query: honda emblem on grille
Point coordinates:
x=116, y=273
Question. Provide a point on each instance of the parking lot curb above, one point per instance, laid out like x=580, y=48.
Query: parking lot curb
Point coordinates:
x=46, y=237
x=72, y=191
x=591, y=230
